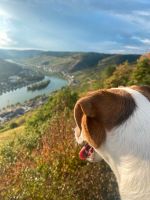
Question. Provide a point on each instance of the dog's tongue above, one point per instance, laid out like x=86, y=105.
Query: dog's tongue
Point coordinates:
x=85, y=152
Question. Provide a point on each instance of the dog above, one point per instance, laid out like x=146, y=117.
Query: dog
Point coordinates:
x=115, y=124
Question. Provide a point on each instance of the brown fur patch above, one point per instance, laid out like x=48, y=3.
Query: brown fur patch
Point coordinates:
x=102, y=110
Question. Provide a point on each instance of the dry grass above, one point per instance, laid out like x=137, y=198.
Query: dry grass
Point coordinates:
x=10, y=134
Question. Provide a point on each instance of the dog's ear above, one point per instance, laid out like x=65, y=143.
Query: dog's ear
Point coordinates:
x=93, y=131
x=87, y=120
x=83, y=106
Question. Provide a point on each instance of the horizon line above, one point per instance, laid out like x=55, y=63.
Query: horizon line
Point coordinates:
x=71, y=51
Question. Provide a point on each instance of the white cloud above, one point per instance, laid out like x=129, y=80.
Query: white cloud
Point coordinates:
x=5, y=29
x=5, y=40
x=142, y=13
x=4, y=14
x=145, y=41
x=138, y=18
x=132, y=47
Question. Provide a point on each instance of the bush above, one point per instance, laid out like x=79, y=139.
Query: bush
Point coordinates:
x=54, y=170
x=141, y=73
x=120, y=77
x=13, y=125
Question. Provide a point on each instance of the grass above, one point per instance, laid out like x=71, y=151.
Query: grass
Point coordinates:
x=10, y=135
x=20, y=121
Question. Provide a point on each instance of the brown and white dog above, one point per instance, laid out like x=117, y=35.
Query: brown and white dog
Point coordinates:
x=115, y=124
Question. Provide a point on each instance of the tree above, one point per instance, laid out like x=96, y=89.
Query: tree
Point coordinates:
x=120, y=76
x=141, y=73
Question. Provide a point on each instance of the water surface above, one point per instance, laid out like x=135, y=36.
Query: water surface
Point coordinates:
x=21, y=95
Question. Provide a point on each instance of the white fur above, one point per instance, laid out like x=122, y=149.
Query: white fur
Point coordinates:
x=127, y=151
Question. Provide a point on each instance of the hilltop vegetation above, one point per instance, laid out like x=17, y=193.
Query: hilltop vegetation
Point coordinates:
x=42, y=162
x=116, y=75
x=127, y=74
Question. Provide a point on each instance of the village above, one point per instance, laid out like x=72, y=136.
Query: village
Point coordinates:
x=14, y=111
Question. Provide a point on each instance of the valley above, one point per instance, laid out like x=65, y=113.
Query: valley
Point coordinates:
x=37, y=148
x=19, y=70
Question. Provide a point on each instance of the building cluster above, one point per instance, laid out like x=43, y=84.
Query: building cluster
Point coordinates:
x=18, y=110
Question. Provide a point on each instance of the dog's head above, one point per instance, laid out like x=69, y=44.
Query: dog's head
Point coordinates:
x=96, y=114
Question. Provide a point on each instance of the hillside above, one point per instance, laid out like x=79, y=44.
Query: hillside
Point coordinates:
x=75, y=61
x=41, y=162
x=8, y=69
x=51, y=61
x=13, y=76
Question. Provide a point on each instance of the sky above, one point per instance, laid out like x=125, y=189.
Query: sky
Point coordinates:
x=106, y=26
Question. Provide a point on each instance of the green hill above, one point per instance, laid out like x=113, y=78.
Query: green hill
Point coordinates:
x=8, y=69
x=75, y=61
x=65, y=61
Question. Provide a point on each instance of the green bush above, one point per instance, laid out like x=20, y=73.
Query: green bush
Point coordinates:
x=120, y=77
x=13, y=125
x=141, y=73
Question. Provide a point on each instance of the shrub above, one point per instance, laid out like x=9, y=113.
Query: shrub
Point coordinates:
x=120, y=76
x=141, y=73
x=13, y=125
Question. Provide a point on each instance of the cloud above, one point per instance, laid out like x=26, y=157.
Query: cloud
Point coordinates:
x=5, y=29
x=145, y=41
x=142, y=13
x=5, y=40
x=132, y=47
x=116, y=6
x=88, y=25
x=4, y=14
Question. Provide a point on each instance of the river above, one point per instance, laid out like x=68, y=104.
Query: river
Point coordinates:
x=21, y=95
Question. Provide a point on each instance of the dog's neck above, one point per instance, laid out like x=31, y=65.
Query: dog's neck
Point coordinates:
x=127, y=151
x=133, y=175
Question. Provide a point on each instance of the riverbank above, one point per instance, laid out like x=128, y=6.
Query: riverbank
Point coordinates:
x=21, y=95
x=18, y=110
x=23, y=78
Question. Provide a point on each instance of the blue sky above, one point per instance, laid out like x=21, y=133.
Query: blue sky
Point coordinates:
x=109, y=26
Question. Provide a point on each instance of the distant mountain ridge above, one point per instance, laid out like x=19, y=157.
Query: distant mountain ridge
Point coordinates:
x=13, y=54
x=66, y=61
